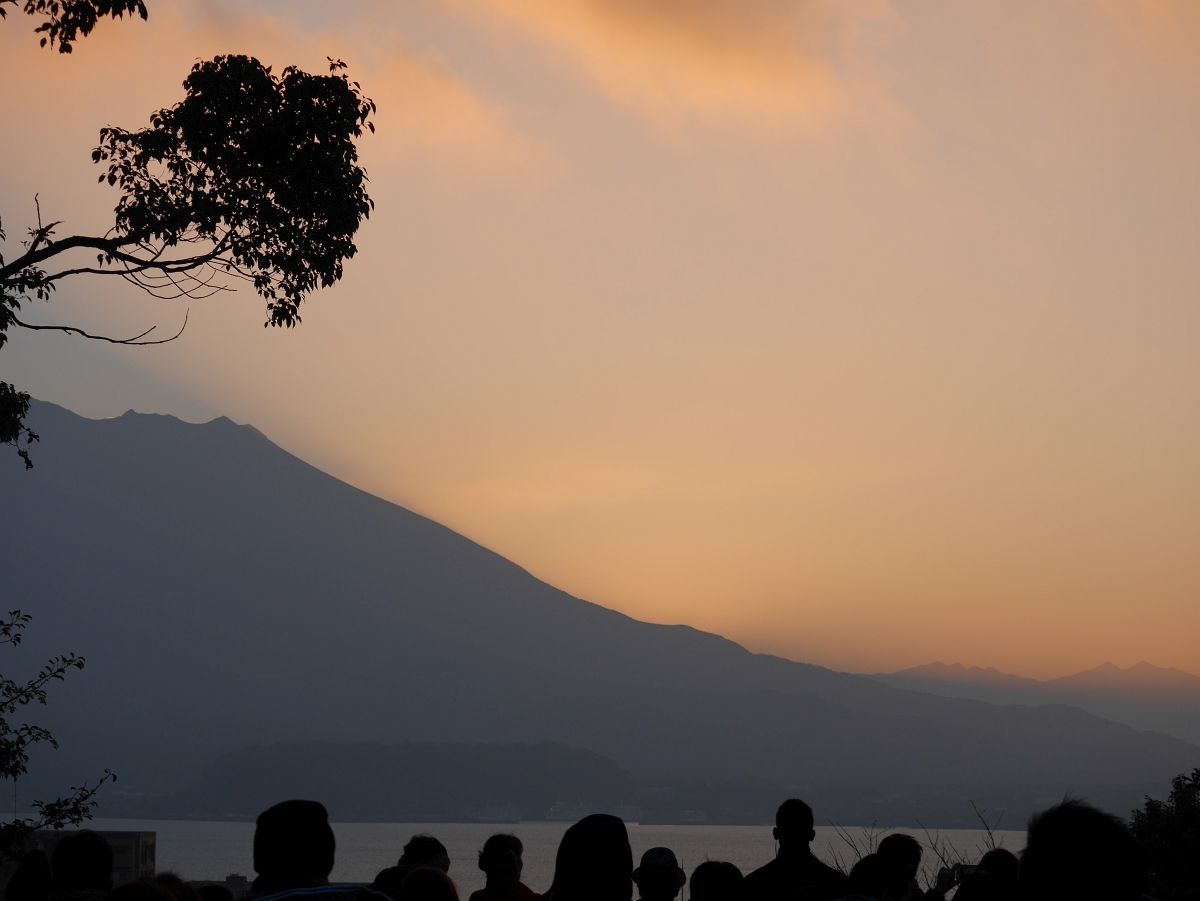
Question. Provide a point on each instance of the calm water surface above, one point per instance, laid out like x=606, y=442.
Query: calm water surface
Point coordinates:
x=201, y=850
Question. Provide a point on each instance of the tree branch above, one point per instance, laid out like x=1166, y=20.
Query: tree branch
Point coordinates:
x=135, y=341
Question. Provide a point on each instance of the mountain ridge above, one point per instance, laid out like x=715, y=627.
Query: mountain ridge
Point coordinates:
x=1142, y=676
x=1142, y=696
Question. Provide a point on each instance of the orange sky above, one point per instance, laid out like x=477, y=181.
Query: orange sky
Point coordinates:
x=864, y=333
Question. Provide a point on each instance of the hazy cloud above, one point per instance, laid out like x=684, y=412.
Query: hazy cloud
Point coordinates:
x=765, y=60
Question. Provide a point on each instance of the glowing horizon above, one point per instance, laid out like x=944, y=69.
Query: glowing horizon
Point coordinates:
x=864, y=334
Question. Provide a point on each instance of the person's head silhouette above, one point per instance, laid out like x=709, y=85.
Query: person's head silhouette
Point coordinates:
x=293, y=846
x=1002, y=863
x=716, y=880
x=1075, y=850
x=659, y=878
x=594, y=862
x=500, y=857
x=880, y=879
x=902, y=849
x=82, y=862
x=424, y=850
x=32, y=879
x=793, y=826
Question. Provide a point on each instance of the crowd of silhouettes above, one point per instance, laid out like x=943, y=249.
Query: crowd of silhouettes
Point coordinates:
x=1072, y=851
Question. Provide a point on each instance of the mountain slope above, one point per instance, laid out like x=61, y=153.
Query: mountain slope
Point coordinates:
x=227, y=594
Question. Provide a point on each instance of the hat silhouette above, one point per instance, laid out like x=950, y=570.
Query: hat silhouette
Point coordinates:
x=660, y=860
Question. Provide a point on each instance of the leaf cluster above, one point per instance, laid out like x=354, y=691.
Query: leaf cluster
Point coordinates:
x=69, y=20
x=14, y=406
x=1170, y=832
x=260, y=169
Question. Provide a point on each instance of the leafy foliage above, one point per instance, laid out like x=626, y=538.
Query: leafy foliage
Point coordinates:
x=15, y=741
x=263, y=167
x=14, y=406
x=69, y=20
x=1170, y=832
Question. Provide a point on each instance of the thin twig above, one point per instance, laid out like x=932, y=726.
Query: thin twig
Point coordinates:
x=135, y=341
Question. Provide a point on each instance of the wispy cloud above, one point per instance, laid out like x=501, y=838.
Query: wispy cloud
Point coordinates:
x=759, y=60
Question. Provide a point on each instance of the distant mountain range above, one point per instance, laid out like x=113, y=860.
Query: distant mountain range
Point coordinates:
x=227, y=595
x=1162, y=699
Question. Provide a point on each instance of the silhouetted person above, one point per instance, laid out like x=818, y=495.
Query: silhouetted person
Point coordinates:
x=795, y=867
x=422, y=850
x=717, y=880
x=500, y=858
x=31, y=881
x=294, y=849
x=659, y=877
x=1074, y=850
x=82, y=867
x=880, y=879
x=426, y=883
x=594, y=862
x=905, y=851
x=214, y=891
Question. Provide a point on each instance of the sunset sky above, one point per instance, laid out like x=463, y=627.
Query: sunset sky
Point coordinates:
x=866, y=333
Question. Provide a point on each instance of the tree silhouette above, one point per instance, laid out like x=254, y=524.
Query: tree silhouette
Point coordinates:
x=1170, y=832
x=253, y=177
x=68, y=20
x=16, y=740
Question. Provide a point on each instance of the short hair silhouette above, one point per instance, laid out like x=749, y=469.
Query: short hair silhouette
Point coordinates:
x=794, y=817
x=423, y=850
x=32, y=879
x=716, y=880
x=426, y=883
x=901, y=848
x=501, y=855
x=1002, y=863
x=82, y=861
x=1075, y=850
x=293, y=839
x=659, y=875
x=594, y=862
x=876, y=876
x=214, y=891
